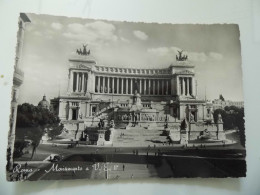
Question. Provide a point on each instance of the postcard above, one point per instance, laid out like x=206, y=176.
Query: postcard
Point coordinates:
x=99, y=99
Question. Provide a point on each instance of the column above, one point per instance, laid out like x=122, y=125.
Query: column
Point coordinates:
x=193, y=86
x=113, y=85
x=163, y=93
x=103, y=85
x=184, y=86
x=149, y=86
x=98, y=84
x=131, y=86
x=77, y=85
x=140, y=86
x=87, y=82
x=158, y=86
x=181, y=89
x=108, y=84
x=117, y=85
x=153, y=86
x=71, y=81
x=126, y=86
x=167, y=87
x=145, y=92
x=178, y=85
x=188, y=86
x=83, y=81
x=180, y=80
x=70, y=114
x=122, y=86
x=80, y=82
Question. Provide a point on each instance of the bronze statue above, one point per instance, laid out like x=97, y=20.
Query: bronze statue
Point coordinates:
x=85, y=52
x=181, y=57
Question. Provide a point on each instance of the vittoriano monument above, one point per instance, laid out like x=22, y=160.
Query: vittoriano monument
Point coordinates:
x=136, y=99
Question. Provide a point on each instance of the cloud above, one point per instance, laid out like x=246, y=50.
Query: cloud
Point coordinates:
x=124, y=40
x=171, y=52
x=197, y=57
x=76, y=28
x=216, y=56
x=140, y=35
x=37, y=33
x=163, y=51
x=97, y=31
x=56, y=26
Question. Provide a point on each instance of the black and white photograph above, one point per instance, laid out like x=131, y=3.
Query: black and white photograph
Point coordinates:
x=113, y=100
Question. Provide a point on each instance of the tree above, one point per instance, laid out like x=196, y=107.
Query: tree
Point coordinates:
x=55, y=130
x=31, y=123
x=233, y=117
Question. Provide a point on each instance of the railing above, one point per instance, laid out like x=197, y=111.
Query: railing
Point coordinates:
x=165, y=71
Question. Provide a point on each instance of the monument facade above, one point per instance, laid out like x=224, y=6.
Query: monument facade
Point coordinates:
x=149, y=98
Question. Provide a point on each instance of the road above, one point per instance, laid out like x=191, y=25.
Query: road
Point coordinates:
x=141, y=162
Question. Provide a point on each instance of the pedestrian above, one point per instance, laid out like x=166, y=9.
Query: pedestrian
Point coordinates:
x=132, y=176
x=123, y=167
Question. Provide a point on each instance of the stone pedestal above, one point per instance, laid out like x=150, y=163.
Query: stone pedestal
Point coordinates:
x=183, y=137
x=220, y=132
x=101, y=138
x=221, y=136
x=112, y=130
x=191, y=128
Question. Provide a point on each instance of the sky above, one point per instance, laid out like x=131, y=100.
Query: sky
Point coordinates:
x=49, y=42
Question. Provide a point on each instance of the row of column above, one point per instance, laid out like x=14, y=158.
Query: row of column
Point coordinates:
x=116, y=85
x=186, y=86
x=79, y=80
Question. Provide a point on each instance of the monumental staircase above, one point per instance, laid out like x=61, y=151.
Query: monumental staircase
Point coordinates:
x=138, y=136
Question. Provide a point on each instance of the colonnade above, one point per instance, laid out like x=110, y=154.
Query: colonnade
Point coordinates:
x=79, y=81
x=145, y=86
x=186, y=86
